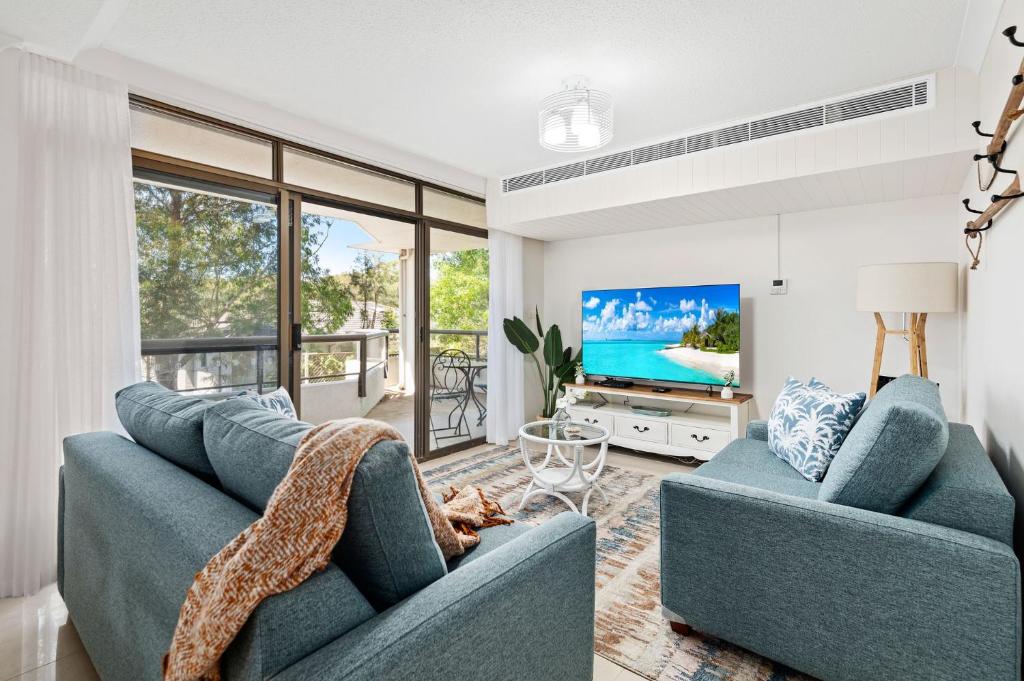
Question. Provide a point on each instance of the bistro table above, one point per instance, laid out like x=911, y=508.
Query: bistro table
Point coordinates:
x=476, y=367
x=556, y=474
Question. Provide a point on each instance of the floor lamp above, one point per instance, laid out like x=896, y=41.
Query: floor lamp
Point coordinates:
x=913, y=289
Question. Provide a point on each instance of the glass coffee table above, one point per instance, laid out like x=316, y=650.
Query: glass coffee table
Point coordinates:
x=563, y=469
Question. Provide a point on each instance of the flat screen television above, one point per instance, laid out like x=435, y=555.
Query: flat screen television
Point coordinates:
x=685, y=334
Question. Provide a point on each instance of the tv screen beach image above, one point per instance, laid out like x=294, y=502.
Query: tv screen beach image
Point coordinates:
x=689, y=334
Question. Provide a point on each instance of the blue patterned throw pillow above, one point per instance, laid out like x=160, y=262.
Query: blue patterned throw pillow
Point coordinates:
x=279, y=401
x=809, y=423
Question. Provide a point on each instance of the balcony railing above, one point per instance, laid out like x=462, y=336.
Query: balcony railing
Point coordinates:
x=473, y=337
x=208, y=370
x=362, y=354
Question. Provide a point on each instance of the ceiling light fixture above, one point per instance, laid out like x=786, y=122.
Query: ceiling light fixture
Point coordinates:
x=576, y=118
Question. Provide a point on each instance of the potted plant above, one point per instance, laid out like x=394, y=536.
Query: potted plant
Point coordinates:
x=581, y=377
x=558, y=362
x=729, y=376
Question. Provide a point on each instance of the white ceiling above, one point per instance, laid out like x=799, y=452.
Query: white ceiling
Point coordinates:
x=459, y=82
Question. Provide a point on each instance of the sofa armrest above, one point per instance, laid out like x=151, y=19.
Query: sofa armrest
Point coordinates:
x=524, y=610
x=835, y=591
x=757, y=430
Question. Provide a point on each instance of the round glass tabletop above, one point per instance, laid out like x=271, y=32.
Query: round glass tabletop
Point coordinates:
x=570, y=432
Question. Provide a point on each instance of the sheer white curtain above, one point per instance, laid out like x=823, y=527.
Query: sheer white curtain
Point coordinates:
x=70, y=304
x=504, y=362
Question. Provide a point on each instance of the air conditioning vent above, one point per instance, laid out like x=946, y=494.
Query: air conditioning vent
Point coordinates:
x=609, y=162
x=566, y=172
x=920, y=93
x=524, y=181
x=894, y=98
x=869, y=105
x=787, y=122
x=655, y=152
x=718, y=138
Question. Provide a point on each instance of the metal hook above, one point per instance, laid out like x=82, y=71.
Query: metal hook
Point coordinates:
x=1000, y=197
x=977, y=128
x=971, y=231
x=991, y=158
x=1011, y=32
x=967, y=205
x=995, y=164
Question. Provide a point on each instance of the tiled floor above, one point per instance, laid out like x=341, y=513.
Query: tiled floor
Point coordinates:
x=38, y=643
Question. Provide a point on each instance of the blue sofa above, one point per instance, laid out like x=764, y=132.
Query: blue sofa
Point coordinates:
x=139, y=518
x=898, y=565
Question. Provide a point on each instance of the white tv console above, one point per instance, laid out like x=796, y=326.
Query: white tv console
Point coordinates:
x=701, y=424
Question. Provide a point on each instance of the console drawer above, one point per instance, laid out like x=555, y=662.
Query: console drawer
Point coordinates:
x=594, y=417
x=641, y=429
x=706, y=439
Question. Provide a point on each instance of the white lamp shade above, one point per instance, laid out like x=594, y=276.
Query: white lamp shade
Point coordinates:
x=907, y=287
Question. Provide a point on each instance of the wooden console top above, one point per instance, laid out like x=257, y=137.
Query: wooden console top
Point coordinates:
x=677, y=394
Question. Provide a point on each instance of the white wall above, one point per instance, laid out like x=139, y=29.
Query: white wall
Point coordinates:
x=994, y=318
x=815, y=330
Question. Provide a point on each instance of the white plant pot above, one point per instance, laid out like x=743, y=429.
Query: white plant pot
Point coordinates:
x=581, y=380
x=727, y=393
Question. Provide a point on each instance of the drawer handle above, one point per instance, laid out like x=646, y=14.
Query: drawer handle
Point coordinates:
x=586, y=420
x=703, y=438
x=641, y=430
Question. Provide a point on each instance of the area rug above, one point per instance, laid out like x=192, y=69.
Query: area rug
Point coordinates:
x=629, y=627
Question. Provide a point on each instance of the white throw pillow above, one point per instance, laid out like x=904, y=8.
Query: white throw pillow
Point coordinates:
x=278, y=400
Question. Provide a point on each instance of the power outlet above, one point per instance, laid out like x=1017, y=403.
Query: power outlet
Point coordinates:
x=779, y=287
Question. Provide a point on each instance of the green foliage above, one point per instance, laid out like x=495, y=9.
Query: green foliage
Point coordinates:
x=208, y=266
x=459, y=289
x=559, y=362
x=373, y=282
x=519, y=335
x=722, y=335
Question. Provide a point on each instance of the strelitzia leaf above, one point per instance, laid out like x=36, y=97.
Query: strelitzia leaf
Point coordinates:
x=520, y=336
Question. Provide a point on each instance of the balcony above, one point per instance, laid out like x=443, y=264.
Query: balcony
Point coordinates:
x=363, y=373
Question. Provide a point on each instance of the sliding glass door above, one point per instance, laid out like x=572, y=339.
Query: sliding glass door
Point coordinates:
x=267, y=263
x=457, y=353
x=356, y=293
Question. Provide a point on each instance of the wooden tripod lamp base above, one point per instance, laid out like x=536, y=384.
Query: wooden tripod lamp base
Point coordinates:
x=914, y=289
x=914, y=333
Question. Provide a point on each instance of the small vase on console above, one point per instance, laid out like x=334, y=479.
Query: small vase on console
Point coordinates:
x=729, y=376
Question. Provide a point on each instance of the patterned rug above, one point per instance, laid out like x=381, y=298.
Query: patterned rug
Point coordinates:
x=629, y=627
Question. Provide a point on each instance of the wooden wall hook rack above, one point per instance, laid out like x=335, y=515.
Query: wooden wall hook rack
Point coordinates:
x=994, y=151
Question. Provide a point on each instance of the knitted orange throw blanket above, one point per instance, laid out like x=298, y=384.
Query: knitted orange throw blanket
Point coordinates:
x=303, y=521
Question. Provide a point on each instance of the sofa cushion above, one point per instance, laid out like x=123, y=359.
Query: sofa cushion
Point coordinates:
x=250, y=448
x=809, y=423
x=166, y=423
x=750, y=462
x=964, y=492
x=387, y=549
x=894, y=446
